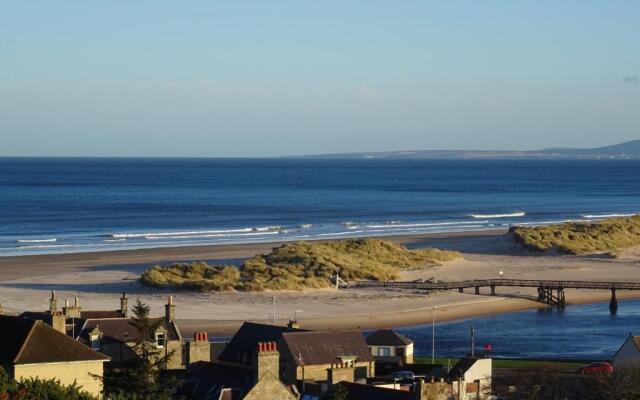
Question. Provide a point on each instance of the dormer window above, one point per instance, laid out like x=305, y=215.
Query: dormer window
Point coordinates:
x=95, y=342
x=160, y=339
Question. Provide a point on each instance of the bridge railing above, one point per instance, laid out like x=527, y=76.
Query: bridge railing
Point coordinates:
x=537, y=283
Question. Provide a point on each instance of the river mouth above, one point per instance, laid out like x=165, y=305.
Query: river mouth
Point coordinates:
x=579, y=332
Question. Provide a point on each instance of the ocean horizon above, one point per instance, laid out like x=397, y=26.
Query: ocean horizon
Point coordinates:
x=69, y=205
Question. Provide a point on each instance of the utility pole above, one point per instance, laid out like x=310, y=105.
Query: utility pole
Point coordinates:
x=473, y=341
x=433, y=336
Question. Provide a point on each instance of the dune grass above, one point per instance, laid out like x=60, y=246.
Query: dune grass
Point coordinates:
x=605, y=236
x=300, y=265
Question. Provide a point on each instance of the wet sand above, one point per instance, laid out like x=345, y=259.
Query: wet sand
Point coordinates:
x=98, y=279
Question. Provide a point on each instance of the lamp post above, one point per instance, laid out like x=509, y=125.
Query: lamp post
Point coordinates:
x=433, y=336
x=501, y=274
x=274, y=310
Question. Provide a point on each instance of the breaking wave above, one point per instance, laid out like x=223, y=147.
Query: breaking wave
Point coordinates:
x=491, y=216
x=590, y=216
x=37, y=240
x=221, y=232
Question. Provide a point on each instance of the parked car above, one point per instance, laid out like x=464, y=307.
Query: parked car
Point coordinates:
x=403, y=376
x=596, y=368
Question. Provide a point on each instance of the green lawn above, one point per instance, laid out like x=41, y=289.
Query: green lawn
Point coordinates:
x=511, y=363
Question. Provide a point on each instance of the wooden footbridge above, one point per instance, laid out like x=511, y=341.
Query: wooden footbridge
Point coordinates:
x=549, y=292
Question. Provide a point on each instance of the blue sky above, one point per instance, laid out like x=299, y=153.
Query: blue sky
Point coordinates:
x=268, y=78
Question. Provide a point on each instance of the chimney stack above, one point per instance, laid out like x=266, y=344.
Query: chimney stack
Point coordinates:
x=53, y=303
x=170, y=310
x=199, y=349
x=59, y=322
x=124, y=305
x=267, y=360
x=72, y=311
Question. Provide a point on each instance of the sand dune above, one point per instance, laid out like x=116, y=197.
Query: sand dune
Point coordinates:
x=99, y=278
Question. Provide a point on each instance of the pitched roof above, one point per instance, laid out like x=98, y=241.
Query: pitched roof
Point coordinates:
x=636, y=341
x=243, y=343
x=46, y=315
x=387, y=337
x=462, y=366
x=24, y=341
x=121, y=329
x=101, y=314
x=203, y=378
x=357, y=391
x=324, y=347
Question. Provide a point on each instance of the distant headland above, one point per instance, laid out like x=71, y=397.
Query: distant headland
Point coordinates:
x=626, y=150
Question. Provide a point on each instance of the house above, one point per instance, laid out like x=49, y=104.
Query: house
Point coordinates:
x=388, y=346
x=304, y=355
x=319, y=355
x=112, y=333
x=629, y=353
x=221, y=381
x=33, y=349
x=475, y=375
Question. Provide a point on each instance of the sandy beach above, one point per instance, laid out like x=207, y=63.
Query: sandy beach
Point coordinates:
x=98, y=279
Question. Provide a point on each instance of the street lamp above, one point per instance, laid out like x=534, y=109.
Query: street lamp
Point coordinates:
x=433, y=336
x=274, y=310
x=501, y=274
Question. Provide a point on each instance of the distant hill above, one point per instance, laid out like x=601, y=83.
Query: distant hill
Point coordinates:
x=627, y=150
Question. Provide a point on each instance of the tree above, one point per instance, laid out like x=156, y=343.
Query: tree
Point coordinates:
x=144, y=376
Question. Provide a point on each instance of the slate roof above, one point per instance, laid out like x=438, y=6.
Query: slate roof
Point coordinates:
x=243, y=344
x=462, y=366
x=101, y=314
x=25, y=341
x=121, y=329
x=387, y=337
x=636, y=341
x=357, y=391
x=324, y=347
x=46, y=316
x=201, y=379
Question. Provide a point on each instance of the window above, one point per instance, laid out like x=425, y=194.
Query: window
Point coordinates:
x=159, y=339
x=95, y=342
x=384, y=351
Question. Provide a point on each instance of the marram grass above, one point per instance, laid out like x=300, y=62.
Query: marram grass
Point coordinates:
x=605, y=236
x=300, y=265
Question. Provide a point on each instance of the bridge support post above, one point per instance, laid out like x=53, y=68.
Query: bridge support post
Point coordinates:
x=461, y=290
x=540, y=294
x=477, y=289
x=560, y=298
x=493, y=290
x=613, y=304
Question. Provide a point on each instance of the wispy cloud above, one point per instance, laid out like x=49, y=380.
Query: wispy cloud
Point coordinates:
x=633, y=79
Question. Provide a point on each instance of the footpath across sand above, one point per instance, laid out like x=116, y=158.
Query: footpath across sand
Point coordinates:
x=98, y=279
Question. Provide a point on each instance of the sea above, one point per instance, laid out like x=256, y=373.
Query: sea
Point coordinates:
x=68, y=205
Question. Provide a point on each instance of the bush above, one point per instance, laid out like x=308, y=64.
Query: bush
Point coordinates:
x=301, y=265
x=36, y=389
x=605, y=236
